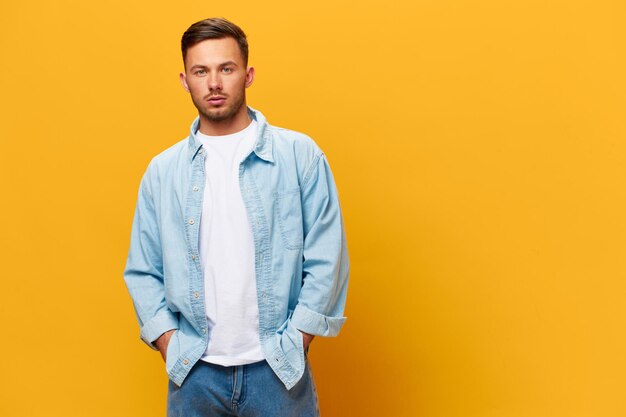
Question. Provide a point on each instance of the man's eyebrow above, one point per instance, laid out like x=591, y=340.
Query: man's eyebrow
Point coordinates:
x=223, y=64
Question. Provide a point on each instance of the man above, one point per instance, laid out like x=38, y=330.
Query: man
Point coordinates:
x=238, y=254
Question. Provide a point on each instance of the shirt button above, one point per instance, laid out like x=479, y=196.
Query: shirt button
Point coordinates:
x=191, y=221
x=196, y=295
x=186, y=362
x=200, y=151
x=196, y=188
x=203, y=330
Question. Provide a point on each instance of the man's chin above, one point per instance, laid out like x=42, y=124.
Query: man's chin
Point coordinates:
x=220, y=114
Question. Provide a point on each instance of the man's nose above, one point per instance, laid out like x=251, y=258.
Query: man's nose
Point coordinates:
x=215, y=82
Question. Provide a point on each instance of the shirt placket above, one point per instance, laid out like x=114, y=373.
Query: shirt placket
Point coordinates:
x=260, y=235
x=193, y=211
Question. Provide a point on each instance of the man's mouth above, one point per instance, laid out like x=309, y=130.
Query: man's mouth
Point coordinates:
x=216, y=100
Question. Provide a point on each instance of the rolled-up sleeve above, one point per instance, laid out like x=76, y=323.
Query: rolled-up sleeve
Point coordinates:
x=325, y=269
x=143, y=273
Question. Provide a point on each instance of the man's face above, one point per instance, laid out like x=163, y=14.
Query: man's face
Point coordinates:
x=217, y=79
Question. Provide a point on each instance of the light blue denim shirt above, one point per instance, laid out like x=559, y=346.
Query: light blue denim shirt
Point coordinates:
x=301, y=258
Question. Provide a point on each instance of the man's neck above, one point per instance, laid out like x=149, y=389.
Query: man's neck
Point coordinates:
x=225, y=127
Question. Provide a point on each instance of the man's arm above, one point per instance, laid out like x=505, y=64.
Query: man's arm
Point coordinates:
x=322, y=299
x=144, y=270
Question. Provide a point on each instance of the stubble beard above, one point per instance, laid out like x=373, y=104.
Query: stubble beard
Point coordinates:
x=223, y=113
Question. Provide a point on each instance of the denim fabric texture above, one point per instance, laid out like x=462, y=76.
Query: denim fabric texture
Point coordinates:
x=242, y=391
x=301, y=258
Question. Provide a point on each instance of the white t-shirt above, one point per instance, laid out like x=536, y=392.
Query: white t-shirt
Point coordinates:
x=227, y=253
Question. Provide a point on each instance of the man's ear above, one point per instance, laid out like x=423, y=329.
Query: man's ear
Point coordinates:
x=249, y=76
x=183, y=81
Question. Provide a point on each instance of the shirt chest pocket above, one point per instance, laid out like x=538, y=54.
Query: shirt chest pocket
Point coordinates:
x=288, y=213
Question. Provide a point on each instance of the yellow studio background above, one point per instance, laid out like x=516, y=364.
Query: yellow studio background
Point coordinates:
x=479, y=148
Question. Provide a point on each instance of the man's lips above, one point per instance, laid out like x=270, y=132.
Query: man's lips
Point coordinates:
x=216, y=99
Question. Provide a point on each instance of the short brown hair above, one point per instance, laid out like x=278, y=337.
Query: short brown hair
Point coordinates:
x=214, y=28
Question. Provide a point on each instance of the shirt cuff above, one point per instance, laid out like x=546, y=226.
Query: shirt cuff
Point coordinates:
x=315, y=323
x=155, y=327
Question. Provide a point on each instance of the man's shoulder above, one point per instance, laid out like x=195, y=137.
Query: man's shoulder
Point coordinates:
x=294, y=142
x=166, y=164
x=292, y=137
x=170, y=156
x=174, y=152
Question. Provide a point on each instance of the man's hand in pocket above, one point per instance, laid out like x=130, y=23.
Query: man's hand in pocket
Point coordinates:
x=162, y=342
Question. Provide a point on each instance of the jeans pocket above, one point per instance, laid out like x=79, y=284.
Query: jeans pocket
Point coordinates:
x=292, y=345
x=172, y=350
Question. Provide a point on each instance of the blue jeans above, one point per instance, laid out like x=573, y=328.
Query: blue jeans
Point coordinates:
x=251, y=390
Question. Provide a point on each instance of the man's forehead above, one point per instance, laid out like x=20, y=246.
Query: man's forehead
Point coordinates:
x=214, y=51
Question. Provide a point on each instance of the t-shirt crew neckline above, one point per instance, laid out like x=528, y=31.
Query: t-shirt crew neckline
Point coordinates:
x=231, y=136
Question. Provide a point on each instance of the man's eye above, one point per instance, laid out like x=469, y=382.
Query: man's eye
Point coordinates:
x=200, y=72
x=227, y=69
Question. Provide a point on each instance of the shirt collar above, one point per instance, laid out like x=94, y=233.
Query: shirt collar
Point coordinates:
x=262, y=144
